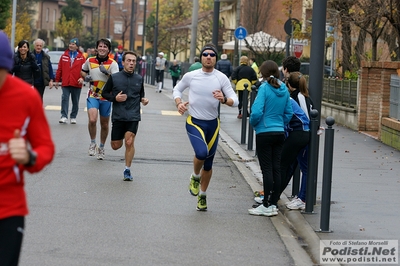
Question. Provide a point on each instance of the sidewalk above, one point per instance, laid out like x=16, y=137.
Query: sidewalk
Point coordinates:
x=365, y=185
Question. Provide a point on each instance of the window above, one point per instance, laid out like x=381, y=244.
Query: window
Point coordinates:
x=140, y=29
x=141, y=5
x=118, y=27
x=54, y=19
x=121, y=2
x=47, y=14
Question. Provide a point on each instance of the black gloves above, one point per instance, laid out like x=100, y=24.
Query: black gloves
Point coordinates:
x=103, y=70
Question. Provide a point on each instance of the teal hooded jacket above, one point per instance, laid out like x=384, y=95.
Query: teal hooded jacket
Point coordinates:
x=272, y=109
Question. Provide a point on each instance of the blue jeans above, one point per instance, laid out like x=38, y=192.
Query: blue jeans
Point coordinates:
x=75, y=95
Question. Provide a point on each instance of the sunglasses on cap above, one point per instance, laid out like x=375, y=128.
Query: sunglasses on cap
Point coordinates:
x=205, y=54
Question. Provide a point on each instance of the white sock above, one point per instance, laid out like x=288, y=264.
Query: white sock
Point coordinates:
x=196, y=176
x=202, y=192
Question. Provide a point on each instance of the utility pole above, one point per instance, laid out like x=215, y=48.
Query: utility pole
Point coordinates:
x=98, y=20
x=316, y=77
x=144, y=29
x=155, y=47
x=193, y=39
x=215, y=23
x=108, y=18
x=236, y=49
x=132, y=31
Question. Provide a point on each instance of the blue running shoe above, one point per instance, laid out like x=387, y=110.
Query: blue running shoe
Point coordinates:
x=127, y=175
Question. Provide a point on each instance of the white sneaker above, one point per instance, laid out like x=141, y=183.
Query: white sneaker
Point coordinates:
x=92, y=149
x=296, y=204
x=259, y=200
x=263, y=211
x=100, y=153
x=73, y=121
x=63, y=120
x=159, y=87
x=290, y=202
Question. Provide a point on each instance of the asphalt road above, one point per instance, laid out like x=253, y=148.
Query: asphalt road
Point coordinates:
x=83, y=213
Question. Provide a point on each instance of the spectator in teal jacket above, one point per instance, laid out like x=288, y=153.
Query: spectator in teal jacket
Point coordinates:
x=175, y=71
x=196, y=65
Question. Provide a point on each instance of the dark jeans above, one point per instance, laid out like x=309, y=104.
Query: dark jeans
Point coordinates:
x=40, y=88
x=159, y=75
x=269, y=148
x=296, y=141
x=75, y=95
x=174, y=81
x=240, y=98
x=11, y=234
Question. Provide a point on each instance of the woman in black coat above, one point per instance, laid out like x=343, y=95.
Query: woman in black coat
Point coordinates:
x=25, y=66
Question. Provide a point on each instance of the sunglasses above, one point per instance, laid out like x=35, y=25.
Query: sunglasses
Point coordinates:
x=205, y=54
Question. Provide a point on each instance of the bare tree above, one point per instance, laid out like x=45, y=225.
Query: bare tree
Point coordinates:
x=257, y=16
x=392, y=13
x=370, y=18
x=343, y=11
x=179, y=41
x=126, y=24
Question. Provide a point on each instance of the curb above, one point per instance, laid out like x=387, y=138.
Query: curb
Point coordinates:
x=299, y=237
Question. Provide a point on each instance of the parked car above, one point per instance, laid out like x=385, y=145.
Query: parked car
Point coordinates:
x=55, y=58
x=305, y=70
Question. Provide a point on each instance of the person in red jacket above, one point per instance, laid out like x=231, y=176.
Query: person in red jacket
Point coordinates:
x=25, y=145
x=69, y=74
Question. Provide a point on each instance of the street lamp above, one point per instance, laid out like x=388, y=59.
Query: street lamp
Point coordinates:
x=132, y=37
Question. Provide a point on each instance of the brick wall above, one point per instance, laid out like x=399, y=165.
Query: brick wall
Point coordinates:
x=374, y=94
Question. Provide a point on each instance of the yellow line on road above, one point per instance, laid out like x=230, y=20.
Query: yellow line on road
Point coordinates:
x=53, y=107
x=170, y=113
x=58, y=108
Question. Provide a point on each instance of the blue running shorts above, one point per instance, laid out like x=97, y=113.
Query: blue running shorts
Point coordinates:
x=203, y=135
x=103, y=106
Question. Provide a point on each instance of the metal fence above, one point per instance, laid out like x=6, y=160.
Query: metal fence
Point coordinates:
x=340, y=92
x=150, y=71
x=394, y=111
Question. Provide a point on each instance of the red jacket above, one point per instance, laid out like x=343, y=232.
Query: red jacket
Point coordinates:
x=67, y=74
x=21, y=108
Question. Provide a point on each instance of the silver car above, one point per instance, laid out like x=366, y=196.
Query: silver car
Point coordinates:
x=55, y=58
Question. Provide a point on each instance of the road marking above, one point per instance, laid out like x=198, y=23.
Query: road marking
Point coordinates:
x=53, y=107
x=163, y=112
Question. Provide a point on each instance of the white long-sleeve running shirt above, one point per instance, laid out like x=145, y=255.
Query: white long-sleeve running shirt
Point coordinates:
x=202, y=104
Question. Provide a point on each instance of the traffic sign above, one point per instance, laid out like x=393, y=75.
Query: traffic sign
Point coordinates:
x=298, y=50
x=240, y=33
x=288, y=27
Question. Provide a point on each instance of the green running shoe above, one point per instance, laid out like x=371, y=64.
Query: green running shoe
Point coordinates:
x=201, y=202
x=194, y=185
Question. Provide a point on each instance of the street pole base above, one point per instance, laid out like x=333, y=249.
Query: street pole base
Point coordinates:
x=308, y=212
x=323, y=231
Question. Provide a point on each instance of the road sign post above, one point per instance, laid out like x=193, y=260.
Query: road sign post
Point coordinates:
x=240, y=34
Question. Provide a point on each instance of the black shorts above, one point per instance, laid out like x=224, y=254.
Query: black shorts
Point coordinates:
x=119, y=128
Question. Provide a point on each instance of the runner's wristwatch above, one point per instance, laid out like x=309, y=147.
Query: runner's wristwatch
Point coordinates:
x=32, y=158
